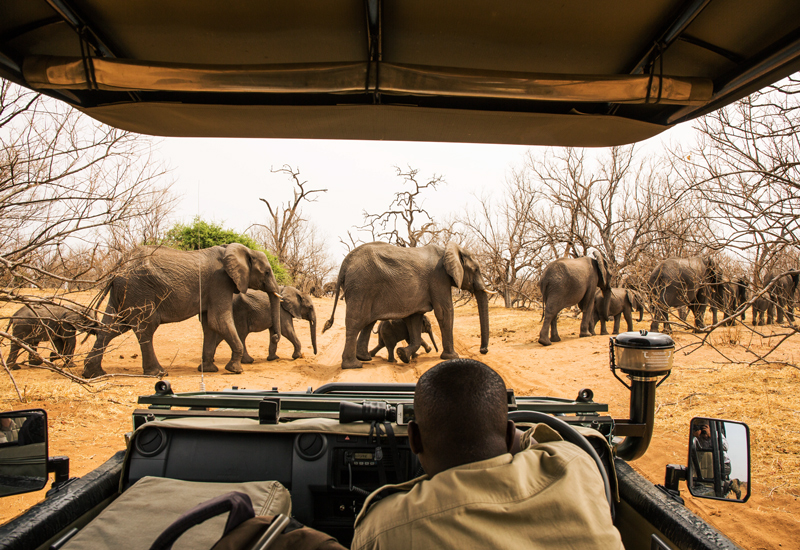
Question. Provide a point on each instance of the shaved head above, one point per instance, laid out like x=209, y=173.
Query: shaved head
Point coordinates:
x=461, y=413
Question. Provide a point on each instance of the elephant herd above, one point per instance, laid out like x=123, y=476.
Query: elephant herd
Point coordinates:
x=234, y=291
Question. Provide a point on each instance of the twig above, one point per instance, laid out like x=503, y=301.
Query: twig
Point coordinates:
x=14, y=382
x=775, y=489
x=679, y=400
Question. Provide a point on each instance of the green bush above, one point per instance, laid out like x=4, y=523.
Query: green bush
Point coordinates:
x=202, y=234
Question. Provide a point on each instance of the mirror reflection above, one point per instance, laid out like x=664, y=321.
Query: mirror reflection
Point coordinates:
x=719, y=459
x=23, y=452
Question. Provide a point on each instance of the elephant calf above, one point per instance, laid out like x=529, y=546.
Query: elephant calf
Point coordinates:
x=623, y=302
x=46, y=322
x=763, y=307
x=252, y=313
x=392, y=332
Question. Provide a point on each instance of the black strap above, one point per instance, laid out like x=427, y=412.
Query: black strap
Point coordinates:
x=398, y=475
x=238, y=504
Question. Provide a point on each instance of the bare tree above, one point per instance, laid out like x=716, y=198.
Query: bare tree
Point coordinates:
x=406, y=222
x=68, y=188
x=508, y=243
x=296, y=242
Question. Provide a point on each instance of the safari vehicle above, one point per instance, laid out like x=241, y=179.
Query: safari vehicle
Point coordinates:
x=531, y=73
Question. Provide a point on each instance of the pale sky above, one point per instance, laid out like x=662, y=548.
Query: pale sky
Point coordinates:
x=231, y=175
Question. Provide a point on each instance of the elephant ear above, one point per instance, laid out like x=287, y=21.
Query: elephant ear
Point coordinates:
x=290, y=304
x=452, y=263
x=602, y=267
x=236, y=261
x=632, y=298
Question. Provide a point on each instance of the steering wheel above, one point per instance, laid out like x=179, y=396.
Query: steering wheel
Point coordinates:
x=568, y=433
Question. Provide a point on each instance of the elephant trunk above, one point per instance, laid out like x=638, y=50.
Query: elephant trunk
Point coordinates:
x=312, y=322
x=275, y=311
x=483, y=312
x=606, y=305
x=641, y=313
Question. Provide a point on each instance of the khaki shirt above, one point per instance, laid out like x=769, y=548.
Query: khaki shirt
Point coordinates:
x=548, y=496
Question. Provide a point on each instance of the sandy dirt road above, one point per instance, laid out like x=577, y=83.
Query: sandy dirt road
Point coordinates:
x=88, y=424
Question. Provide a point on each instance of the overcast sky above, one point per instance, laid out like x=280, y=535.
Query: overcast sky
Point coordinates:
x=223, y=179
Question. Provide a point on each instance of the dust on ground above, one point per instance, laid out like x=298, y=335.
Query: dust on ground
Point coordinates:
x=88, y=423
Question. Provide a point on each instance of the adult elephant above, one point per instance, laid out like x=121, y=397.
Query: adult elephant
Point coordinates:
x=783, y=293
x=384, y=282
x=161, y=285
x=690, y=282
x=624, y=301
x=573, y=281
x=252, y=312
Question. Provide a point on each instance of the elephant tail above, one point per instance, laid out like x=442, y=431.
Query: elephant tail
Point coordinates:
x=339, y=282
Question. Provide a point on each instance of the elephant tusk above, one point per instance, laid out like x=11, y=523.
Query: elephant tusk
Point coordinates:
x=278, y=296
x=487, y=291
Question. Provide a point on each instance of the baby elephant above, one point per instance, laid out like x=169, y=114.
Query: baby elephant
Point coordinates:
x=50, y=323
x=252, y=313
x=392, y=332
x=623, y=302
x=763, y=307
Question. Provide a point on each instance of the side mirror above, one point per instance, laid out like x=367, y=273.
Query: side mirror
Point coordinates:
x=23, y=452
x=719, y=460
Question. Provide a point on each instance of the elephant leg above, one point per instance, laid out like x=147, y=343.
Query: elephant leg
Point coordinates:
x=444, y=314
x=426, y=347
x=391, y=342
x=699, y=312
x=549, y=332
x=587, y=305
x=211, y=341
x=617, y=319
x=112, y=327
x=68, y=350
x=246, y=358
x=11, y=361
x=33, y=343
x=287, y=331
x=374, y=351
x=222, y=321
x=144, y=334
x=628, y=320
x=362, y=345
x=603, y=327
x=414, y=327
x=273, y=346
x=352, y=330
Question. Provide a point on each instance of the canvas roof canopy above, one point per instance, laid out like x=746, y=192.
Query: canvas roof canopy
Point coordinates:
x=580, y=73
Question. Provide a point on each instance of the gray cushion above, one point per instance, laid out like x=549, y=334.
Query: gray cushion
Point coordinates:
x=136, y=518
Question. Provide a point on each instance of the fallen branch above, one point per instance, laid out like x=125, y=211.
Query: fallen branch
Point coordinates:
x=14, y=382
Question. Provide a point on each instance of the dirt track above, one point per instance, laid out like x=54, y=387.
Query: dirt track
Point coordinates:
x=89, y=427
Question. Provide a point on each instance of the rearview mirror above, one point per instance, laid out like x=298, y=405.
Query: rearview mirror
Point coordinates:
x=719, y=460
x=23, y=451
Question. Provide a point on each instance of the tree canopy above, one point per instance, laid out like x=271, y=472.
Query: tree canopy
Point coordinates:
x=202, y=234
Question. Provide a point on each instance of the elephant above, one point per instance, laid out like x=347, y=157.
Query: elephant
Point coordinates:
x=570, y=281
x=734, y=294
x=623, y=302
x=691, y=282
x=385, y=282
x=763, y=307
x=783, y=293
x=163, y=285
x=392, y=332
x=252, y=312
x=329, y=288
x=48, y=322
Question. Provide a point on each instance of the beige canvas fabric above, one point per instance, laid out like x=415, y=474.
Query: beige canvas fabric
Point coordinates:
x=547, y=496
x=135, y=519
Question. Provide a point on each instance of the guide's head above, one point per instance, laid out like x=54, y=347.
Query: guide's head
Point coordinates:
x=461, y=415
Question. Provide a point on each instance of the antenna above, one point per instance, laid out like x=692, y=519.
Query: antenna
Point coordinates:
x=200, y=296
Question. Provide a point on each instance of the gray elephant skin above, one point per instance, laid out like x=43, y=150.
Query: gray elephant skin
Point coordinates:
x=161, y=285
x=385, y=282
x=624, y=301
x=252, y=312
x=763, y=310
x=50, y=323
x=573, y=281
x=783, y=293
x=734, y=295
x=392, y=332
x=691, y=282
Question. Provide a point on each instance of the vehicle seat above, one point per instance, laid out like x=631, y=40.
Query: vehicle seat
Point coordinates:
x=139, y=515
